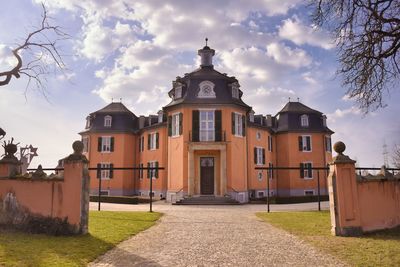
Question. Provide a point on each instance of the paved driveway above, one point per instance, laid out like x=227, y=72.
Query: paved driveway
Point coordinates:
x=211, y=236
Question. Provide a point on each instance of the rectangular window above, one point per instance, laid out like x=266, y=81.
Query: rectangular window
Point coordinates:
x=105, y=144
x=107, y=121
x=153, y=173
x=269, y=143
x=104, y=192
x=304, y=120
x=308, y=192
x=105, y=173
x=328, y=143
x=207, y=122
x=306, y=170
x=259, y=158
x=305, y=143
x=85, y=141
x=235, y=92
x=153, y=141
x=141, y=171
x=175, y=125
x=238, y=124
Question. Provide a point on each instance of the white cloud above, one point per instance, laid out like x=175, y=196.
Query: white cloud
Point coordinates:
x=285, y=55
x=294, y=30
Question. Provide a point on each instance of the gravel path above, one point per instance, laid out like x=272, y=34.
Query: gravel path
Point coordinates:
x=213, y=236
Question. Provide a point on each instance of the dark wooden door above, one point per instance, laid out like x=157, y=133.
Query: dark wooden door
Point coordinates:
x=207, y=176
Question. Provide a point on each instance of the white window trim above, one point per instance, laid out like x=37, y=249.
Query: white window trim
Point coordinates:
x=107, y=119
x=178, y=89
x=259, y=156
x=104, y=172
x=304, y=138
x=174, y=125
x=307, y=177
x=330, y=143
x=88, y=122
x=309, y=190
x=109, y=144
x=153, y=140
x=263, y=193
x=152, y=162
x=207, y=121
x=240, y=124
x=269, y=143
x=306, y=119
x=202, y=85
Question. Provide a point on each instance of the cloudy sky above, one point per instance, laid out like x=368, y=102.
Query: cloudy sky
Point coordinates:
x=134, y=49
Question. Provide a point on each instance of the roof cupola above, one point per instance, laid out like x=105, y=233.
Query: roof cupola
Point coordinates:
x=206, y=55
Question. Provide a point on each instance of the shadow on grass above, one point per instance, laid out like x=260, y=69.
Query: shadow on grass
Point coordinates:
x=386, y=234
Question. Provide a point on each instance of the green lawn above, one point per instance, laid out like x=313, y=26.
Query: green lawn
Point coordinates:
x=106, y=230
x=375, y=249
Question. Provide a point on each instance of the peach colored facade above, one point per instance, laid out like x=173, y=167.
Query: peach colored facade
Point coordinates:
x=209, y=142
x=359, y=204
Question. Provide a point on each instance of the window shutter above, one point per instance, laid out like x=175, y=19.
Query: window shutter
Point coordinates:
x=98, y=170
x=148, y=171
x=263, y=155
x=300, y=143
x=301, y=170
x=112, y=144
x=195, y=125
x=309, y=167
x=233, y=123
x=157, y=141
x=169, y=125
x=111, y=170
x=255, y=155
x=99, y=141
x=218, y=126
x=243, y=125
x=148, y=141
x=180, y=123
x=308, y=139
x=156, y=170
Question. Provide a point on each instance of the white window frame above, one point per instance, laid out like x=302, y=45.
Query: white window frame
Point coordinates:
x=153, y=141
x=304, y=120
x=210, y=132
x=160, y=116
x=258, y=135
x=85, y=141
x=175, y=125
x=88, y=122
x=106, y=144
x=238, y=124
x=309, y=190
x=269, y=143
x=178, y=92
x=107, y=121
x=304, y=141
x=305, y=171
x=260, y=194
x=328, y=144
x=152, y=172
x=259, y=155
x=235, y=92
x=105, y=174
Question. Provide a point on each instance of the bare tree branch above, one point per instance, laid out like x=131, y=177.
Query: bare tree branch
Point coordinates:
x=41, y=46
x=368, y=37
x=396, y=156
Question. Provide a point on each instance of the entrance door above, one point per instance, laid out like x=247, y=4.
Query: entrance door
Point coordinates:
x=207, y=176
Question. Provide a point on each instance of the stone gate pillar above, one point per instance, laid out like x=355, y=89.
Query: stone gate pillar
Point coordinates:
x=343, y=196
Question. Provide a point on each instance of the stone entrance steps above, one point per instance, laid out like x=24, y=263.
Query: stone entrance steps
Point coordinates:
x=207, y=200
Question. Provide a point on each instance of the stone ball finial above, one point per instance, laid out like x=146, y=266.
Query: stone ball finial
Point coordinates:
x=339, y=147
x=78, y=147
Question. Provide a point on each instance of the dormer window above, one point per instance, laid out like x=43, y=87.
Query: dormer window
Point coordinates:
x=206, y=90
x=160, y=116
x=235, y=90
x=304, y=120
x=88, y=122
x=251, y=116
x=107, y=121
x=324, y=120
x=178, y=92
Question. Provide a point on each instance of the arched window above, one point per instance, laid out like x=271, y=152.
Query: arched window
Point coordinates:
x=107, y=121
x=304, y=120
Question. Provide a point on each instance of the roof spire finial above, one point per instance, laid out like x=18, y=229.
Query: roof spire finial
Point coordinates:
x=298, y=99
x=206, y=41
x=120, y=99
x=289, y=98
x=112, y=100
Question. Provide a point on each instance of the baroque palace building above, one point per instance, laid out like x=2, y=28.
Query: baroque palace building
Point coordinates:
x=209, y=142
